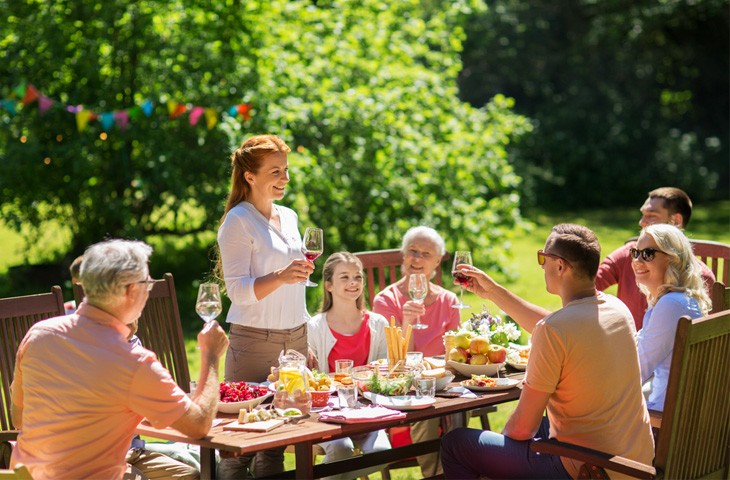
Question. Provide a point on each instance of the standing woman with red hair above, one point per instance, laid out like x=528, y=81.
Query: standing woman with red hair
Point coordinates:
x=262, y=263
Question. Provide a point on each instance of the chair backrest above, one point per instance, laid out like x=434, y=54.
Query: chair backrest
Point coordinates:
x=19, y=473
x=695, y=434
x=720, y=296
x=382, y=267
x=716, y=255
x=160, y=328
x=17, y=315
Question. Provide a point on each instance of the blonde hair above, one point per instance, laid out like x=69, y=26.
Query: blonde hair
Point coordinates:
x=684, y=273
x=328, y=272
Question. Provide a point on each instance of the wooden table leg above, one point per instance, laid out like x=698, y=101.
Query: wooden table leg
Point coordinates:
x=207, y=463
x=304, y=460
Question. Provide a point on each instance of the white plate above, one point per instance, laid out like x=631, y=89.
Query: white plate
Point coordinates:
x=518, y=366
x=405, y=402
x=504, y=384
x=235, y=407
x=468, y=370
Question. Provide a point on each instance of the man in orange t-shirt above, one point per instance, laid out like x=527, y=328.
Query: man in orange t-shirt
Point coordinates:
x=590, y=401
x=80, y=388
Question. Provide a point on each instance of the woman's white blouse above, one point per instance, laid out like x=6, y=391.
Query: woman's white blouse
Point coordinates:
x=250, y=248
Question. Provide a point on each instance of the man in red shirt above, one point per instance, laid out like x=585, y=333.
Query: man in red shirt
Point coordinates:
x=664, y=205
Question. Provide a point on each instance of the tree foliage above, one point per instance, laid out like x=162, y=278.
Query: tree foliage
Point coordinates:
x=364, y=91
x=625, y=95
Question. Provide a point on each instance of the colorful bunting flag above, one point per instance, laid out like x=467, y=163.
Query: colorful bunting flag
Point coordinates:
x=29, y=94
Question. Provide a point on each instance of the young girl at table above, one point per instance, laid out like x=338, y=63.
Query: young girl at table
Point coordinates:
x=345, y=330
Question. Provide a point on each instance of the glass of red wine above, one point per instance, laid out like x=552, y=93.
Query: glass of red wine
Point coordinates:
x=461, y=257
x=312, y=247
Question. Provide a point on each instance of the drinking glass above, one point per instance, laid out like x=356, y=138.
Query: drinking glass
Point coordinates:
x=417, y=289
x=425, y=387
x=414, y=360
x=461, y=257
x=209, y=305
x=313, y=245
x=344, y=365
x=347, y=395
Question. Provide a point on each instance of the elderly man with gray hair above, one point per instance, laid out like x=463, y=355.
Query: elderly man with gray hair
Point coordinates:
x=80, y=388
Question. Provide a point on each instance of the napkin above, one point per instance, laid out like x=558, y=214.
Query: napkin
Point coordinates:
x=361, y=415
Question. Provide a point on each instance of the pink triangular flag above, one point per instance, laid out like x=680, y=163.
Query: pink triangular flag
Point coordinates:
x=121, y=117
x=44, y=103
x=195, y=114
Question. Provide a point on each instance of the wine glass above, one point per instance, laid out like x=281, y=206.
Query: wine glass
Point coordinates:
x=461, y=257
x=209, y=305
x=312, y=248
x=417, y=289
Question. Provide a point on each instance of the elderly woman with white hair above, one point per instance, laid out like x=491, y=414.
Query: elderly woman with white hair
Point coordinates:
x=422, y=250
x=670, y=276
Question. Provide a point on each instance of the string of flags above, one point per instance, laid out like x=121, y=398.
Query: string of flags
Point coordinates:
x=27, y=93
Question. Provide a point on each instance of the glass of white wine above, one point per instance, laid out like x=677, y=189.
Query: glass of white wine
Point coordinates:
x=418, y=289
x=209, y=305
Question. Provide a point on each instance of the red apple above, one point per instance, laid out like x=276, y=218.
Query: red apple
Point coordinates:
x=479, y=345
x=478, y=359
x=497, y=354
x=458, y=355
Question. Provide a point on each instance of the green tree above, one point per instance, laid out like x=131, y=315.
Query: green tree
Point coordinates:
x=365, y=91
x=626, y=96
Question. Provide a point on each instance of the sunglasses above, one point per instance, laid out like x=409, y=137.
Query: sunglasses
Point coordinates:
x=541, y=257
x=646, y=254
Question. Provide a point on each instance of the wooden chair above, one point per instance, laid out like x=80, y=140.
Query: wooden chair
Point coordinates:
x=19, y=473
x=720, y=296
x=716, y=255
x=160, y=328
x=382, y=267
x=694, y=440
x=17, y=315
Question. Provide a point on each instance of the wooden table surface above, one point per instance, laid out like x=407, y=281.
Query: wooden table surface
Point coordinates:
x=305, y=434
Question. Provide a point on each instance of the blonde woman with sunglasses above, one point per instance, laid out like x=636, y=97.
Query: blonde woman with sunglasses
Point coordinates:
x=670, y=277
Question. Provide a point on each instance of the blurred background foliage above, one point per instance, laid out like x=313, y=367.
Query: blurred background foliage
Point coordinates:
x=460, y=115
x=625, y=95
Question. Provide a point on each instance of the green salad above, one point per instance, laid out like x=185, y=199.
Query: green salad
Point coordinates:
x=391, y=387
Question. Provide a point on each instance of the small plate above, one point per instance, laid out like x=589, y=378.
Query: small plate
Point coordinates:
x=518, y=366
x=235, y=407
x=504, y=384
x=404, y=402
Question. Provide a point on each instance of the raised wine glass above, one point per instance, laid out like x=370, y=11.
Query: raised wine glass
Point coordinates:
x=209, y=305
x=418, y=289
x=461, y=257
x=312, y=247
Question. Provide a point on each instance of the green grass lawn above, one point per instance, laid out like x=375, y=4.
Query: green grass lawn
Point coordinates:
x=613, y=227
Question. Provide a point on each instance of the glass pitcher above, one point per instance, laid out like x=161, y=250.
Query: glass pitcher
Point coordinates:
x=292, y=388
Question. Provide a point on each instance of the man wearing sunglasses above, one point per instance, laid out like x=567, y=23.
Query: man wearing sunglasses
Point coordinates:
x=664, y=205
x=584, y=369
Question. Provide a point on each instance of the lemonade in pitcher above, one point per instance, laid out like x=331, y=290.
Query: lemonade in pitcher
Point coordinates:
x=292, y=389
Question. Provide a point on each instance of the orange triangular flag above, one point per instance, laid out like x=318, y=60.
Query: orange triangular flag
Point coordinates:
x=31, y=95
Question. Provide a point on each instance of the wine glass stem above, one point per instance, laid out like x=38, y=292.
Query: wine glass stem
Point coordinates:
x=461, y=295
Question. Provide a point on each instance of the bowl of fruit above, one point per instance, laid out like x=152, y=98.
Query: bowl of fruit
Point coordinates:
x=237, y=395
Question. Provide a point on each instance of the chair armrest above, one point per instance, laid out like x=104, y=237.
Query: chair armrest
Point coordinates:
x=6, y=435
x=594, y=457
x=655, y=416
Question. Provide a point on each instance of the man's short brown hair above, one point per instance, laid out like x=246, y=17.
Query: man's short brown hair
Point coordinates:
x=578, y=245
x=675, y=201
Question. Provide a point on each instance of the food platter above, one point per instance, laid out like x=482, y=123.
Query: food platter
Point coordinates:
x=518, y=366
x=235, y=407
x=468, y=370
x=502, y=384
